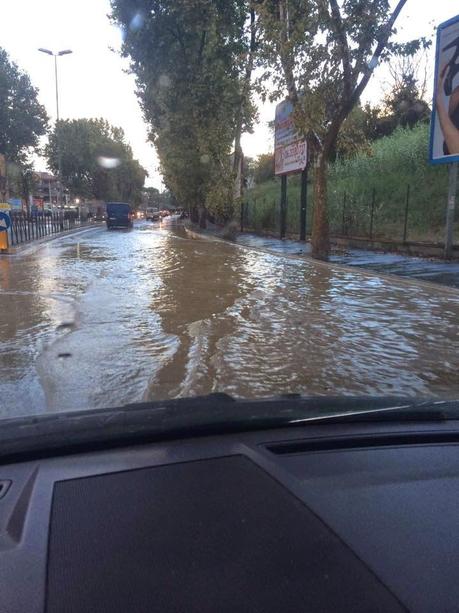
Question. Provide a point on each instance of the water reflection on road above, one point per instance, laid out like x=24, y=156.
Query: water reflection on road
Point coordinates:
x=106, y=318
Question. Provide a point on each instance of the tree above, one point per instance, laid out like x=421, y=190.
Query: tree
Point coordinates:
x=352, y=137
x=22, y=180
x=152, y=197
x=190, y=62
x=96, y=160
x=22, y=118
x=405, y=103
x=263, y=168
x=323, y=53
x=246, y=109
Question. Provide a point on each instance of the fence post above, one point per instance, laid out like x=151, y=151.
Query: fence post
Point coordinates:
x=303, y=203
x=452, y=191
x=407, y=204
x=283, y=206
x=344, y=214
x=372, y=213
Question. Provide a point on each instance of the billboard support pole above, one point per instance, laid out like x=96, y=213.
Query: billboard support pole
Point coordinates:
x=283, y=206
x=452, y=192
x=303, y=203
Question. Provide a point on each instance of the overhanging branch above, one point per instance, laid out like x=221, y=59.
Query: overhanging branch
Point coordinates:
x=337, y=23
x=349, y=102
x=382, y=41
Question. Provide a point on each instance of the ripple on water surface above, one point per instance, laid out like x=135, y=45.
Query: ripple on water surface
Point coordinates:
x=147, y=314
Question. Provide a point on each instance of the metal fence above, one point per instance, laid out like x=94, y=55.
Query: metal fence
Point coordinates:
x=406, y=214
x=28, y=227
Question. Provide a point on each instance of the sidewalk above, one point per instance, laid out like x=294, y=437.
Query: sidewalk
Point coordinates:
x=435, y=271
x=431, y=270
x=30, y=246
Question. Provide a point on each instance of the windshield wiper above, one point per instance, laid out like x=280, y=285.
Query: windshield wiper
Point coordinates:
x=421, y=411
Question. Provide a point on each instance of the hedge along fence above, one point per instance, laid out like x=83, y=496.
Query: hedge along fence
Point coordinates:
x=262, y=211
x=396, y=167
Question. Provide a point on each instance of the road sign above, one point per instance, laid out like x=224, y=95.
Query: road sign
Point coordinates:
x=5, y=221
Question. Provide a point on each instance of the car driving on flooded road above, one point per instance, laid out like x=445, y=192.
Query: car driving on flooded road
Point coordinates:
x=119, y=215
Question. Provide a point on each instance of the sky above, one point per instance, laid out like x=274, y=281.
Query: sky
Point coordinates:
x=93, y=81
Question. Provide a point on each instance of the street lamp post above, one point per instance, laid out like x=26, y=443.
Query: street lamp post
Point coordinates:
x=59, y=152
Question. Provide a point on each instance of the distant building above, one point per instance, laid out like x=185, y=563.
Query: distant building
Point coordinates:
x=46, y=189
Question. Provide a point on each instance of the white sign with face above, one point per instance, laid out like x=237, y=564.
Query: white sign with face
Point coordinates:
x=444, y=135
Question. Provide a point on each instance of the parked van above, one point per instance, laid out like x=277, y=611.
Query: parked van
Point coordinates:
x=119, y=215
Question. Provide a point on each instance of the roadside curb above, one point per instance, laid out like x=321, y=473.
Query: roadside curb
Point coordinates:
x=194, y=234
x=30, y=247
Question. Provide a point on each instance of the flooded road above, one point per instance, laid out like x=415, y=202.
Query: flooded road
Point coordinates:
x=100, y=319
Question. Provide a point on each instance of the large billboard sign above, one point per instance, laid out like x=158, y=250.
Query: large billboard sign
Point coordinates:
x=444, y=131
x=290, y=148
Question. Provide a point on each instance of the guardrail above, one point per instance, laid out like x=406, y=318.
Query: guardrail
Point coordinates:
x=29, y=227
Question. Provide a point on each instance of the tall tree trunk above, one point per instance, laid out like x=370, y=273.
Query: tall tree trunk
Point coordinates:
x=237, y=163
x=194, y=214
x=238, y=167
x=203, y=217
x=320, y=239
x=245, y=95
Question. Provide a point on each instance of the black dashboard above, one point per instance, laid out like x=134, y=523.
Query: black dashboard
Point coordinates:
x=337, y=517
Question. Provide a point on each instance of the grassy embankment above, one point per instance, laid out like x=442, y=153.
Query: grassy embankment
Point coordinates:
x=394, y=163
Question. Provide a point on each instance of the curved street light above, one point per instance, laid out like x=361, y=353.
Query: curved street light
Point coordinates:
x=59, y=157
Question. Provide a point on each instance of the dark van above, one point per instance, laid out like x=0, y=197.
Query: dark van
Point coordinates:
x=119, y=215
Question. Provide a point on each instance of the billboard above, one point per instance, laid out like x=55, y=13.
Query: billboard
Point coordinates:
x=290, y=148
x=16, y=204
x=444, y=127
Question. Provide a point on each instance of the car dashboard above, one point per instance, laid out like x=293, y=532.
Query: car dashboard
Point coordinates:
x=337, y=517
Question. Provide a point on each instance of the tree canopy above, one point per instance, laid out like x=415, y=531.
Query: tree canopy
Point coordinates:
x=189, y=58
x=323, y=54
x=22, y=118
x=96, y=160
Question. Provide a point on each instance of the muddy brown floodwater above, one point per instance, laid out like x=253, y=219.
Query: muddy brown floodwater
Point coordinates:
x=101, y=319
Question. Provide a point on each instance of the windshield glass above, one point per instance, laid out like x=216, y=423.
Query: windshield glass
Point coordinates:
x=204, y=197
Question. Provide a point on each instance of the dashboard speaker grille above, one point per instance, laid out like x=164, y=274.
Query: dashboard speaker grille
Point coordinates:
x=215, y=535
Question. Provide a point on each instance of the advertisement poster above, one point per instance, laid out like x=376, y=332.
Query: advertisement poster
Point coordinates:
x=290, y=149
x=444, y=134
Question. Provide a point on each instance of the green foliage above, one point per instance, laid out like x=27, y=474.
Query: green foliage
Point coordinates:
x=391, y=164
x=353, y=136
x=263, y=168
x=96, y=160
x=394, y=163
x=188, y=59
x=404, y=104
x=152, y=197
x=323, y=54
x=21, y=179
x=22, y=118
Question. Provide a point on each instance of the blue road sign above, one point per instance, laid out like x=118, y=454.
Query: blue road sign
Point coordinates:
x=5, y=221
